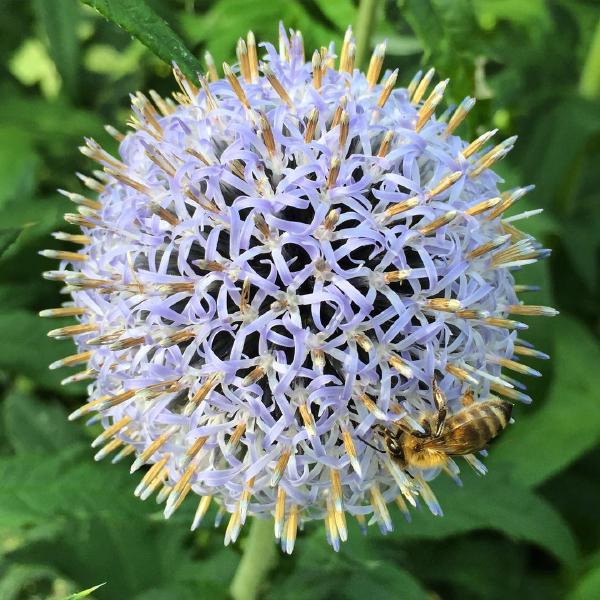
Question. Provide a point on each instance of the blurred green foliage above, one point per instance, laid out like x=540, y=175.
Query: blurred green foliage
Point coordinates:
x=529, y=529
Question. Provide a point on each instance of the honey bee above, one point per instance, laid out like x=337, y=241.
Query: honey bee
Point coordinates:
x=443, y=435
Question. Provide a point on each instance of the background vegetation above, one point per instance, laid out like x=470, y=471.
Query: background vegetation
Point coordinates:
x=529, y=529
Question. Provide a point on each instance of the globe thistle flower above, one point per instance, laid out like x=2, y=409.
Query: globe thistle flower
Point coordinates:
x=276, y=263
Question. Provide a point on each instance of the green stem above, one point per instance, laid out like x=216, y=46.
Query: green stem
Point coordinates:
x=364, y=28
x=260, y=555
x=589, y=82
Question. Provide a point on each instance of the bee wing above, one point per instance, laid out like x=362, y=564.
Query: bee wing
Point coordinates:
x=463, y=437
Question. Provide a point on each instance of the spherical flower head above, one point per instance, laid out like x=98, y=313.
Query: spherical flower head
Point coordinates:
x=287, y=275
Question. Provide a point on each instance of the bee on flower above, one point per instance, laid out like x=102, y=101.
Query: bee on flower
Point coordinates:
x=294, y=291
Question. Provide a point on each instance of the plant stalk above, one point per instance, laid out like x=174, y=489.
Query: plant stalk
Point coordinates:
x=260, y=555
x=365, y=21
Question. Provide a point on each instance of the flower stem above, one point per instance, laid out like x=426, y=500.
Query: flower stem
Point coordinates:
x=364, y=27
x=589, y=82
x=260, y=555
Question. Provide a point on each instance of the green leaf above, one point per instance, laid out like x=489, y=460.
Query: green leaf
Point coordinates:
x=18, y=164
x=138, y=19
x=21, y=579
x=29, y=350
x=84, y=593
x=59, y=21
x=7, y=238
x=568, y=424
x=588, y=587
x=491, y=502
x=37, y=427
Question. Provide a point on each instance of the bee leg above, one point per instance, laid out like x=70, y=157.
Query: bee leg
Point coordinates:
x=440, y=403
x=467, y=398
x=371, y=445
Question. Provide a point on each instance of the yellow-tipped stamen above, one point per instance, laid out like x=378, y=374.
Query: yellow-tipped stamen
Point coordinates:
x=482, y=206
x=280, y=466
x=90, y=183
x=442, y=304
x=72, y=330
x=370, y=405
x=130, y=182
x=152, y=472
x=510, y=393
x=429, y=106
x=344, y=128
x=81, y=200
x=79, y=221
x=212, y=68
x=317, y=70
x=211, y=101
x=529, y=352
x=461, y=374
x=233, y=528
x=330, y=524
x=149, y=452
x=348, y=66
x=388, y=86
x=252, y=58
x=351, y=451
x=414, y=82
x=336, y=489
x=487, y=247
x=400, y=365
x=471, y=314
x=459, y=116
x=157, y=481
x=236, y=437
x=123, y=453
x=422, y=86
x=375, y=64
x=245, y=296
x=173, y=505
x=255, y=375
x=242, y=56
x=276, y=85
x=235, y=85
x=64, y=255
x=73, y=238
x=386, y=142
x=438, y=223
x=401, y=504
x=477, y=144
x=161, y=104
x=107, y=449
x=72, y=360
x=339, y=110
x=80, y=376
x=164, y=493
x=494, y=155
x=396, y=276
x=267, y=134
x=513, y=365
x=308, y=420
x=334, y=171
x=112, y=430
x=311, y=125
x=115, y=133
x=186, y=86
x=202, y=509
x=348, y=39
x=399, y=208
x=363, y=341
x=164, y=214
x=504, y=323
x=380, y=508
x=444, y=184
x=291, y=529
x=63, y=311
x=245, y=499
x=279, y=512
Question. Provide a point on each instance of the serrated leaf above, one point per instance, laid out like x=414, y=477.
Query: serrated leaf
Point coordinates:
x=568, y=424
x=32, y=426
x=59, y=21
x=139, y=20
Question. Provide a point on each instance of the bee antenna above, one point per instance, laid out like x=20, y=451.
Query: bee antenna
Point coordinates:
x=371, y=445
